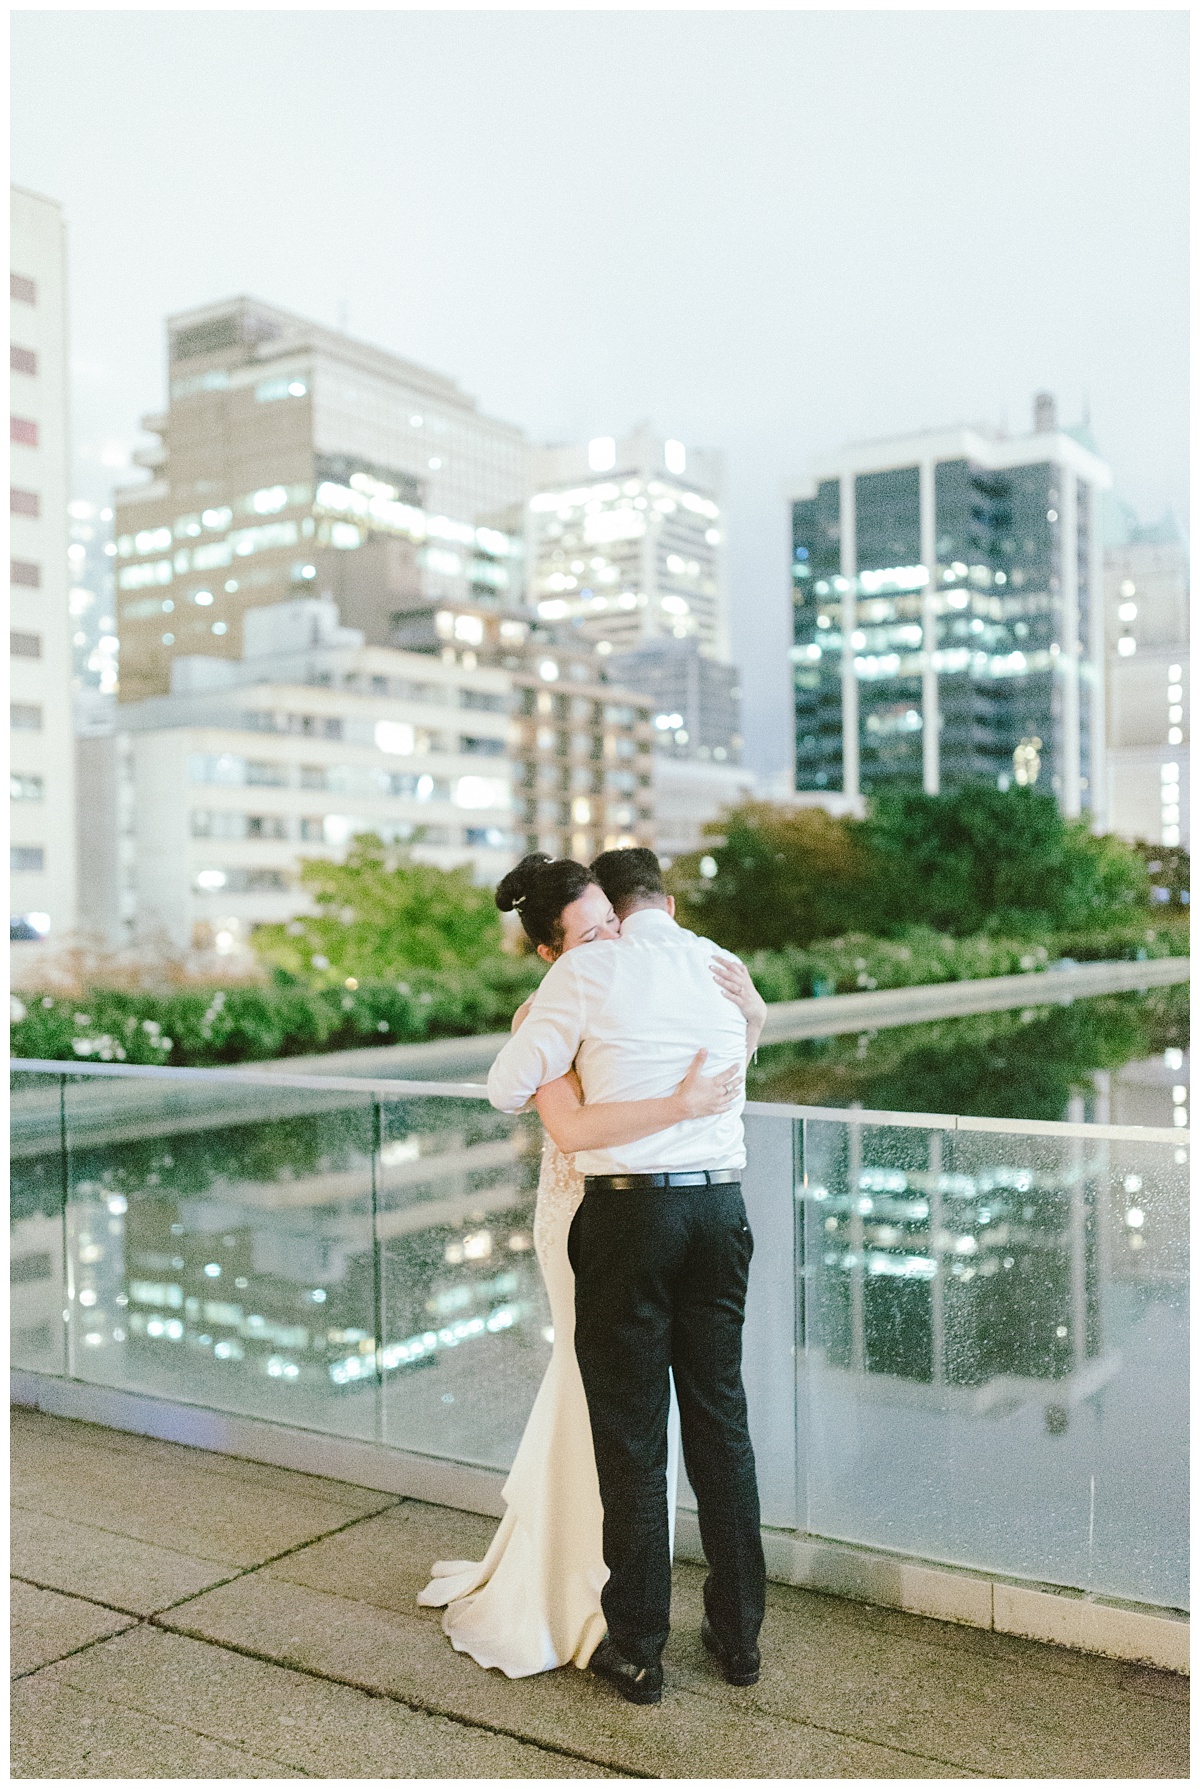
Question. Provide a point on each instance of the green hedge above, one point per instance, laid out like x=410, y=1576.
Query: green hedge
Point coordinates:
x=198, y=1027
x=858, y=963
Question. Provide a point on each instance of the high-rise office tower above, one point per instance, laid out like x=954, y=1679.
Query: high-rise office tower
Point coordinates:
x=42, y=853
x=625, y=544
x=1147, y=638
x=625, y=537
x=948, y=615
x=295, y=461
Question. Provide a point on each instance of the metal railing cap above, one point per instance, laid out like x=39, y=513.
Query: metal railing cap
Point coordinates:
x=385, y=1089
x=936, y=1121
x=248, y=1077
x=1048, y=1127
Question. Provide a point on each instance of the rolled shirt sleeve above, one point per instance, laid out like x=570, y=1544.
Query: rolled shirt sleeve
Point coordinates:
x=544, y=1047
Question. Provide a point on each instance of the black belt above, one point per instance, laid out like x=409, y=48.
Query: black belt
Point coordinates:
x=637, y=1183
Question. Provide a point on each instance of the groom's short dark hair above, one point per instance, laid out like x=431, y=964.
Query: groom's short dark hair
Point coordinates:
x=629, y=877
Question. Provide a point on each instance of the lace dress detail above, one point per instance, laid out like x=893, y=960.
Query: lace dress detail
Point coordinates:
x=560, y=1191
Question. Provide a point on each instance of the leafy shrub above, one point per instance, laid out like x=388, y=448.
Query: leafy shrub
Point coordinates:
x=201, y=1027
x=859, y=963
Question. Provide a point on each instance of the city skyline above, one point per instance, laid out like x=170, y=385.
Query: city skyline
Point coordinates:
x=576, y=294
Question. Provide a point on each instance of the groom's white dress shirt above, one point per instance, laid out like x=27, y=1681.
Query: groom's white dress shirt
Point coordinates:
x=630, y=1013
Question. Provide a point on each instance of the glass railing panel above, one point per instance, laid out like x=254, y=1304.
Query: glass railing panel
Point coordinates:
x=996, y=1359
x=220, y=1244
x=770, y=1185
x=870, y=1318
x=38, y=1287
x=962, y=1343
x=466, y=1324
x=1067, y=1344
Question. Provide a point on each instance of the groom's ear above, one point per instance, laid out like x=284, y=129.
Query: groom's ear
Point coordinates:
x=671, y=905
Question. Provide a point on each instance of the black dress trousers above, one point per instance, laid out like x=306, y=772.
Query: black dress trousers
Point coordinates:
x=660, y=1282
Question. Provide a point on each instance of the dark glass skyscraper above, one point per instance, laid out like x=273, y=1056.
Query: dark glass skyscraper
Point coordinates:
x=946, y=593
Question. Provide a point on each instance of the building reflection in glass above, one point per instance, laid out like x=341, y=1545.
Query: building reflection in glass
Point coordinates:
x=232, y=1263
x=980, y=1285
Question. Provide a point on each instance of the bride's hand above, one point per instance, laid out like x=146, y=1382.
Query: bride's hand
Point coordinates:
x=733, y=979
x=703, y=1096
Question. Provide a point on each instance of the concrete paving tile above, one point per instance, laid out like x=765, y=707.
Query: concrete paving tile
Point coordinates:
x=60, y=1732
x=408, y=1657
x=33, y=1430
x=848, y=1689
x=168, y=1505
x=386, y=1560
x=324, y=1729
x=46, y=1625
x=126, y=1574
x=1143, y=1680
x=989, y=1716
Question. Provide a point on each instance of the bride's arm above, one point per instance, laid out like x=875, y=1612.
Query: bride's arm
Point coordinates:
x=733, y=979
x=574, y=1125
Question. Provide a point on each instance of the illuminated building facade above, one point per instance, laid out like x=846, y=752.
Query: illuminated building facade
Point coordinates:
x=697, y=700
x=42, y=850
x=582, y=739
x=1146, y=598
x=948, y=616
x=625, y=538
x=479, y=739
x=296, y=461
x=220, y=790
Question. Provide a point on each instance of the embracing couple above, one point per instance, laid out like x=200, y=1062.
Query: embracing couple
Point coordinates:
x=642, y=1239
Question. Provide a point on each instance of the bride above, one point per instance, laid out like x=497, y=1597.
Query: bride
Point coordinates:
x=533, y=1602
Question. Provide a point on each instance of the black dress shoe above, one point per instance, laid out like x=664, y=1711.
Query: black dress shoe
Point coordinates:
x=637, y=1683
x=736, y=1667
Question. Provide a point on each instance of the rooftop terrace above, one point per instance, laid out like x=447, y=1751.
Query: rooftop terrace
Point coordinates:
x=181, y=1613
x=275, y=1337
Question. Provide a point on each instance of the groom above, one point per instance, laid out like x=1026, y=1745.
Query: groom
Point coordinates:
x=661, y=1250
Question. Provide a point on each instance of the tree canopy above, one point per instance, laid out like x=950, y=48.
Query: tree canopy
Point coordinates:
x=379, y=913
x=783, y=876
x=980, y=859
x=974, y=860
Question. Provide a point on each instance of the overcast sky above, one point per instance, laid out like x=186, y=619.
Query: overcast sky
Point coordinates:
x=764, y=232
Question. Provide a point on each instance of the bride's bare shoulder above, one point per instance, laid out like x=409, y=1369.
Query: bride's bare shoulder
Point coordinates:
x=522, y=1012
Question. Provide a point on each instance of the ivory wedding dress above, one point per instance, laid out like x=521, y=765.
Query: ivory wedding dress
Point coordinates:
x=533, y=1602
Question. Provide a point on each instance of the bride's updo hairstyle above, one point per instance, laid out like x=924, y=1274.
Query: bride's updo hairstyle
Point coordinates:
x=538, y=889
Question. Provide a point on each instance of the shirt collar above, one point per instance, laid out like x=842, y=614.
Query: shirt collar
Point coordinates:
x=647, y=920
